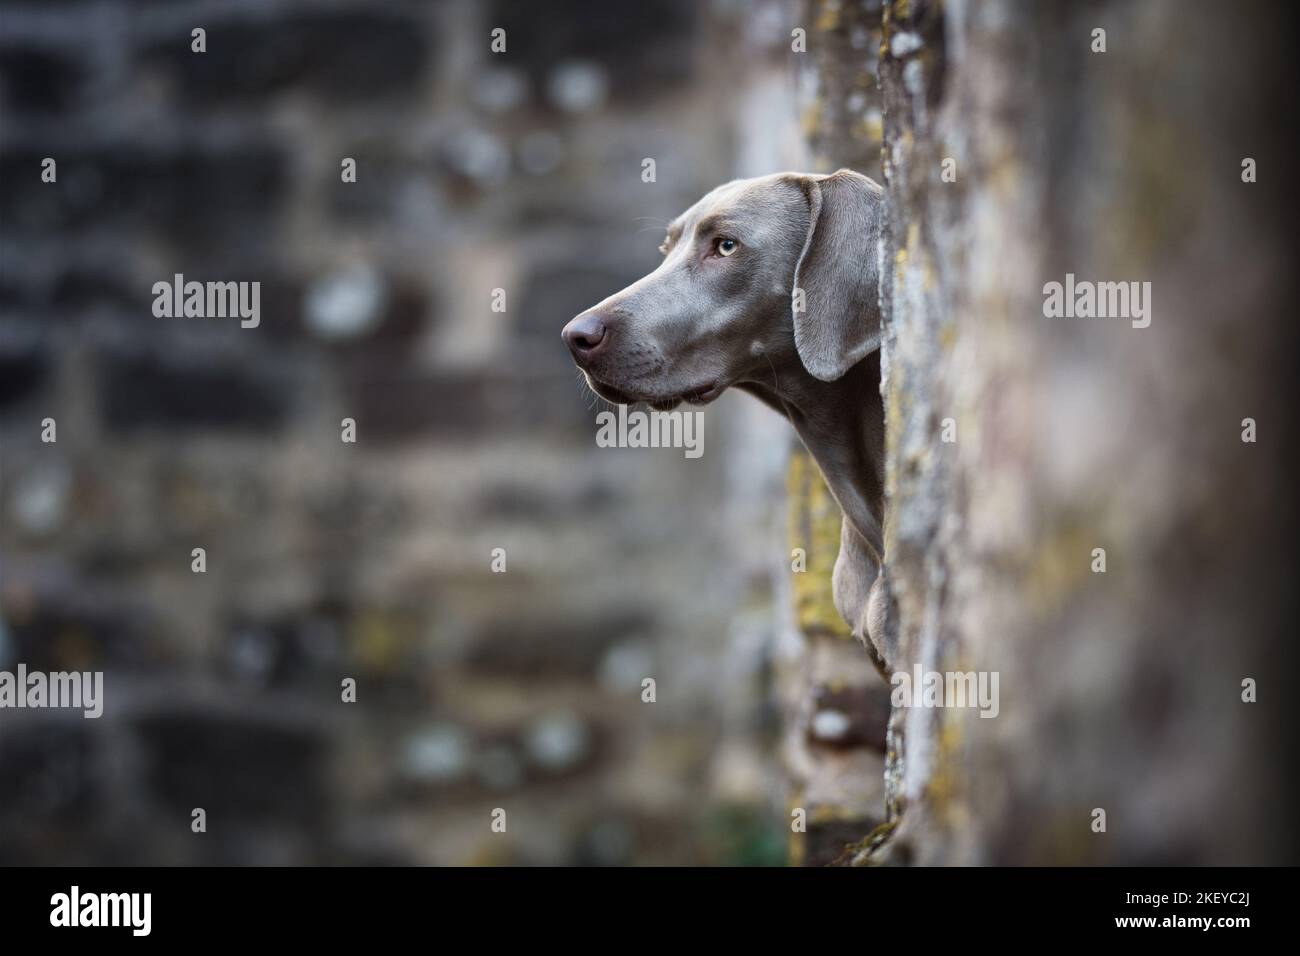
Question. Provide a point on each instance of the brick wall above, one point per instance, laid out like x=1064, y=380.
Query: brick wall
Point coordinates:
x=326, y=560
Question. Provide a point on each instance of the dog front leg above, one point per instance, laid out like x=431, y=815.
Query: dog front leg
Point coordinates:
x=857, y=585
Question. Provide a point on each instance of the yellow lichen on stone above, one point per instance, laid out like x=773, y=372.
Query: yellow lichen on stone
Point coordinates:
x=944, y=786
x=797, y=847
x=929, y=276
x=380, y=639
x=947, y=336
x=828, y=16
x=1061, y=565
x=814, y=525
x=870, y=129
x=812, y=119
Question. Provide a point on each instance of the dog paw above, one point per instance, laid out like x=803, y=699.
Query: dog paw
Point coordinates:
x=871, y=630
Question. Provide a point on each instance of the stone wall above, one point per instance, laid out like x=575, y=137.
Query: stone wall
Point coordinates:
x=1121, y=683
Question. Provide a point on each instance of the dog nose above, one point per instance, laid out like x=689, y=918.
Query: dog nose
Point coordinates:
x=584, y=335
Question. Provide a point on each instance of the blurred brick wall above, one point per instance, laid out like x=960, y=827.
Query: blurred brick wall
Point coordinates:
x=328, y=560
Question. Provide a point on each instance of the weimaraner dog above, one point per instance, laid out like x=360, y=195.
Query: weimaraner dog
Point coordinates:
x=770, y=285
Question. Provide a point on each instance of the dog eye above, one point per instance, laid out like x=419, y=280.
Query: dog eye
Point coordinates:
x=726, y=247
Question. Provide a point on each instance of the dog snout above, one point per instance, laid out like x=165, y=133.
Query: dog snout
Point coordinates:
x=585, y=335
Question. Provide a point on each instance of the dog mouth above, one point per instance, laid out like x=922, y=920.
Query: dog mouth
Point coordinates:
x=697, y=395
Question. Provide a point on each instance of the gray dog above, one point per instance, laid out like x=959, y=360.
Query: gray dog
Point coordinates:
x=770, y=285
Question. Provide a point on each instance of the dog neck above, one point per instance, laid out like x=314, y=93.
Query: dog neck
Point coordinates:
x=841, y=423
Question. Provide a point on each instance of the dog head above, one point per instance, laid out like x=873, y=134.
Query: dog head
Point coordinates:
x=758, y=273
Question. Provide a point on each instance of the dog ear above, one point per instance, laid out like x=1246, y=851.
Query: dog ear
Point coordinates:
x=836, y=310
